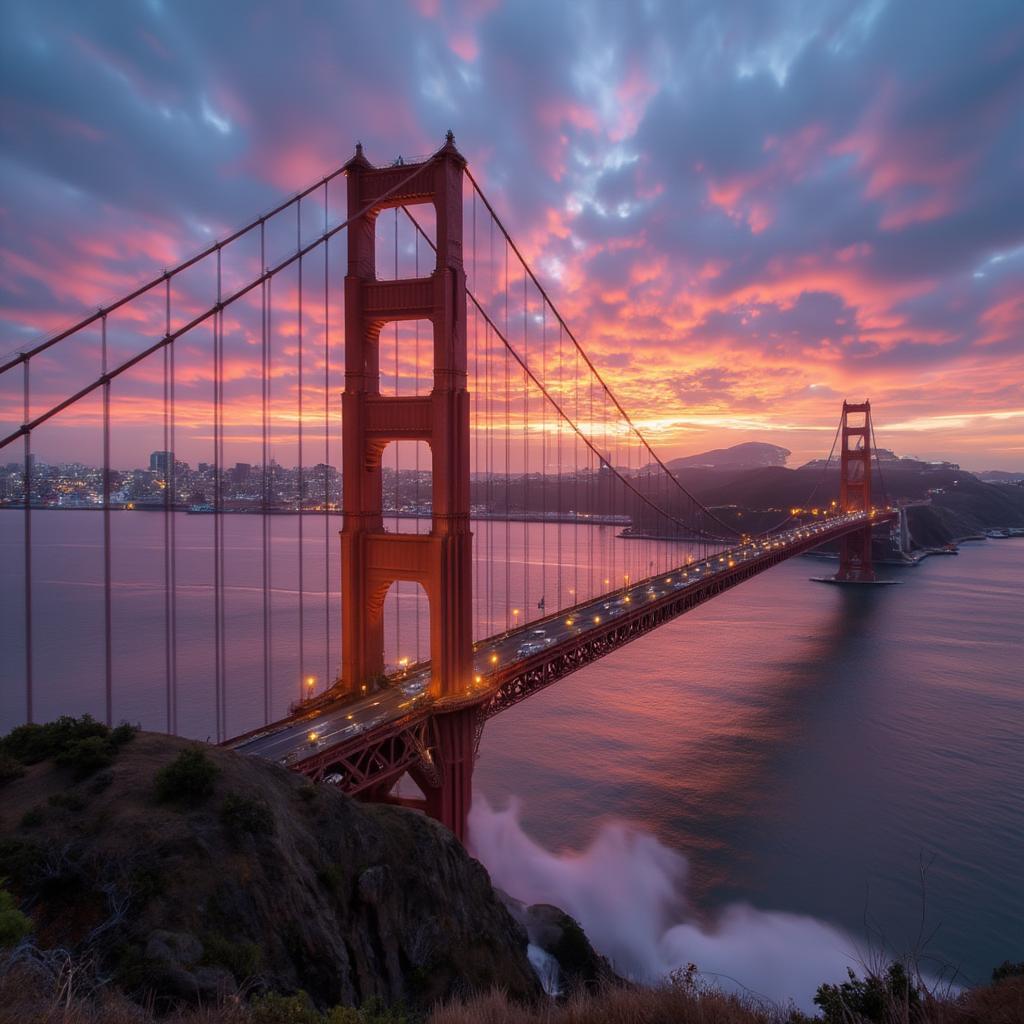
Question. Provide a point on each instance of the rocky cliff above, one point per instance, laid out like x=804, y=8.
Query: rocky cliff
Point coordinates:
x=226, y=872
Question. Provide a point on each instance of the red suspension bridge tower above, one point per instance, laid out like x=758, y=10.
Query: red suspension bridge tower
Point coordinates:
x=855, y=565
x=372, y=558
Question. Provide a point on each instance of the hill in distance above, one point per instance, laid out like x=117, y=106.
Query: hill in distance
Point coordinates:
x=749, y=455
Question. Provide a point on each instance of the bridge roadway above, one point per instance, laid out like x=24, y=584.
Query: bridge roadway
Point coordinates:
x=355, y=739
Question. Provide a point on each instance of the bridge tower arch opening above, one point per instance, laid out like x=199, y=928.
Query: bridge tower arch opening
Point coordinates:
x=371, y=557
x=855, y=459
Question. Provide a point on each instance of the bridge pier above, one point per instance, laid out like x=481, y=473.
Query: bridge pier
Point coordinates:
x=855, y=563
x=448, y=788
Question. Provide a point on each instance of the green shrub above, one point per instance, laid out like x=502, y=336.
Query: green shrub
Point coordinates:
x=374, y=1011
x=32, y=743
x=242, y=959
x=88, y=756
x=1007, y=969
x=875, y=998
x=273, y=1008
x=242, y=815
x=189, y=778
x=10, y=769
x=344, y=1015
x=14, y=925
x=122, y=734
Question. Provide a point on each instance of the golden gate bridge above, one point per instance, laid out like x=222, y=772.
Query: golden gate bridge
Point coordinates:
x=454, y=349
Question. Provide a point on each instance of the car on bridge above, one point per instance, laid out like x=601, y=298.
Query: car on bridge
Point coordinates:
x=529, y=647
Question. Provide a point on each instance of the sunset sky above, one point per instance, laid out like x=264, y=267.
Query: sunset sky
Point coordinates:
x=746, y=211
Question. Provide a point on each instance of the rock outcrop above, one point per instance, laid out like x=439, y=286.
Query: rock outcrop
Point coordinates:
x=266, y=881
x=560, y=936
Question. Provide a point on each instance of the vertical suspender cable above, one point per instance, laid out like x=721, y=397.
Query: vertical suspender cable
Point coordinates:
x=591, y=488
x=397, y=505
x=613, y=505
x=558, y=466
x=527, y=512
x=489, y=450
x=328, y=675
x=218, y=514
x=416, y=392
x=508, y=439
x=300, y=480
x=475, y=424
x=508, y=523
x=544, y=504
x=527, y=600
x=475, y=428
x=272, y=485
x=264, y=477
x=107, y=627
x=27, y=523
x=173, y=461
x=489, y=368
x=576, y=481
x=220, y=524
x=167, y=458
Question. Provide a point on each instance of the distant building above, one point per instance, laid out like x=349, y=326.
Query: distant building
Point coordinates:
x=161, y=463
x=241, y=473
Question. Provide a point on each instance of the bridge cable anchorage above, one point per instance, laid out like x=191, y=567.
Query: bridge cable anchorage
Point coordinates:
x=173, y=336
x=594, y=453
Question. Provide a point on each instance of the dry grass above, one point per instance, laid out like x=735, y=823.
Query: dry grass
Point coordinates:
x=24, y=1001
x=669, y=1005
x=990, y=1004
